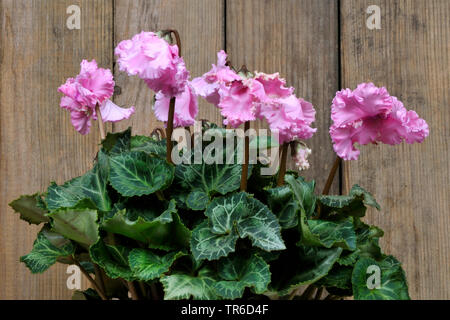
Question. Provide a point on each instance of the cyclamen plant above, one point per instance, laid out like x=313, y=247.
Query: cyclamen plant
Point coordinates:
x=139, y=225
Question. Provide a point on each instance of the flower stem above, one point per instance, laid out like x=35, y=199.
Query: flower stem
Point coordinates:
x=169, y=129
x=308, y=293
x=92, y=281
x=177, y=39
x=246, y=156
x=283, y=161
x=328, y=184
x=101, y=127
x=318, y=293
x=331, y=175
x=99, y=277
x=133, y=291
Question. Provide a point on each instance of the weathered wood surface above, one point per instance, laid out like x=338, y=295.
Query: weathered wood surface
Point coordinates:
x=410, y=56
x=38, y=143
x=299, y=39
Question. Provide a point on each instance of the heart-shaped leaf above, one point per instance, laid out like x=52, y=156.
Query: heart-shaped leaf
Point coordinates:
x=137, y=173
x=232, y=217
x=47, y=248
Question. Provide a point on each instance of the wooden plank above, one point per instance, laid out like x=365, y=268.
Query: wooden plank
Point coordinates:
x=201, y=27
x=410, y=56
x=297, y=38
x=38, y=144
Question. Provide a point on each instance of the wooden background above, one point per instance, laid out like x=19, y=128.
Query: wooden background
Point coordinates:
x=319, y=46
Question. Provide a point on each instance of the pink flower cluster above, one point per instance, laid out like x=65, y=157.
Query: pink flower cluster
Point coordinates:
x=157, y=62
x=91, y=87
x=365, y=115
x=369, y=114
x=261, y=96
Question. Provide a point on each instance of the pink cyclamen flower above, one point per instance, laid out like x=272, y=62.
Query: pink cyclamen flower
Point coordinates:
x=240, y=101
x=290, y=116
x=91, y=87
x=154, y=60
x=369, y=114
x=208, y=85
x=186, y=107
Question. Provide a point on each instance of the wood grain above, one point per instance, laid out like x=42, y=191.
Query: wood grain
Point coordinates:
x=298, y=39
x=37, y=141
x=201, y=27
x=409, y=55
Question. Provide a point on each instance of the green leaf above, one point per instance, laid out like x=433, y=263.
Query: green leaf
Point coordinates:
x=238, y=273
x=232, y=217
x=352, y=205
x=113, y=259
x=91, y=186
x=28, y=207
x=367, y=238
x=117, y=143
x=207, y=179
x=207, y=245
x=137, y=174
x=307, y=266
x=303, y=192
x=393, y=285
x=148, y=145
x=164, y=231
x=47, y=248
x=328, y=233
x=183, y=286
x=339, y=277
x=76, y=224
x=89, y=294
x=147, y=265
x=282, y=203
x=197, y=200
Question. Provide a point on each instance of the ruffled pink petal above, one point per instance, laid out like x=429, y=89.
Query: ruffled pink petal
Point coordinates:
x=274, y=86
x=154, y=60
x=208, y=85
x=237, y=104
x=373, y=100
x=69, y=104
x=81, y=121
x=343, y=142
x=112, y=113
x=186, y=107
x=98, y=81
x=221, y=59
x=416, y=128
x=346, y=108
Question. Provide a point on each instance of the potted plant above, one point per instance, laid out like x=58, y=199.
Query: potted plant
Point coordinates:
x=206, y=216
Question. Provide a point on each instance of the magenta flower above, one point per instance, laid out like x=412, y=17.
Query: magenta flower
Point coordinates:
x=369, y=114
x=154, y=60
x=208, y=85
x=240, y=101
x=91, y=87
x=290, y=116
x=186, y=107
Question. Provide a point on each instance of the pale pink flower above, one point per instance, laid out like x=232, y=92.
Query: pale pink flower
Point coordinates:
x=186, y=107
x=301, y=156
x=154, y=60
x=240, y=101
x=208, y=85
x=369, y=115
x=91, y=87
x=290, y=116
